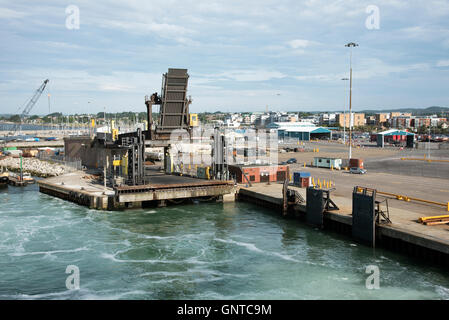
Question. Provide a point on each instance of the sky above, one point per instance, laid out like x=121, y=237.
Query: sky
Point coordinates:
x=242, y=56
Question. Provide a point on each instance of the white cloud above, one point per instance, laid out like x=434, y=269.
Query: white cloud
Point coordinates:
x=252, y=75
x=70, y=80
x=58, y=44
x=6, y=13
x=187, y=41
x=144, y=27
x=443, y=63
x=299, y=43
x=367, y=69
x=122, y=48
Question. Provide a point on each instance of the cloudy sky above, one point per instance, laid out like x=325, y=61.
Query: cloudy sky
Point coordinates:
x=242, y=55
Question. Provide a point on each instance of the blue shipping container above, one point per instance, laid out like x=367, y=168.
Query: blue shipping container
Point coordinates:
x=298, y=175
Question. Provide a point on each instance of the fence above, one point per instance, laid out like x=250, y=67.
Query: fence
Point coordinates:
x=70, y=164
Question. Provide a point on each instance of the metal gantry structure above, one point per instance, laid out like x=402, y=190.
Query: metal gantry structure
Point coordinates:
x=30, y=104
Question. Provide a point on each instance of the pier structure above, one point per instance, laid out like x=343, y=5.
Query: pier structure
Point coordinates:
x=87, y=190
x=121, y=159
x=402, y=234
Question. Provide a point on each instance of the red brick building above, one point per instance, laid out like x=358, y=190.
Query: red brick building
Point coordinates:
x=259, y=173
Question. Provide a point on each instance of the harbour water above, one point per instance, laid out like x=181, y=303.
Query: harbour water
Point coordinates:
x=197, y=251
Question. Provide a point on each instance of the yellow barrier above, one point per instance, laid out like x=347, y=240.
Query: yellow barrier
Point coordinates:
x=408, y=199
x=424, y=219
x=322, y=183
x=424, y=159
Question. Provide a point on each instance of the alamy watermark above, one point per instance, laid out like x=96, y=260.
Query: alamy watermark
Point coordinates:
x=73, y=280
x=234, y=146
x=373, y=280
x=372, y=22
x=72, y=21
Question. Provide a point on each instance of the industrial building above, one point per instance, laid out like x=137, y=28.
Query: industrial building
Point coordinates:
x=343, y=119
x=258, y=173
x=301, y=131
x=394, y=137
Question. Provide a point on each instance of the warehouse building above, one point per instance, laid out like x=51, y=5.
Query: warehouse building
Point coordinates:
x=300, y=131
x=394, y=137
x=258, y=173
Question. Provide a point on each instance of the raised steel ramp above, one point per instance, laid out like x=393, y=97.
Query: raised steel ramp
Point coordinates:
x=174, y=112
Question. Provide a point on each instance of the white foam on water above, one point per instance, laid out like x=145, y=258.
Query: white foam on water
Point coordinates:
x=217, y=273
x=442, y=292
x=164, y=281
x=253, y=248
x=136, y=234
x=248, y=246
x=199, y=280
x=24, y=296
x=194, y=260
x=20, y=254
x=82, y=293
x=112, y=257
x=212, y=295
x=115, y=296
x=283, y=256
x=164, y=273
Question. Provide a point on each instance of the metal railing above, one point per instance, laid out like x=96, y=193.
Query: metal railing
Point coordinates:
x=70, y=164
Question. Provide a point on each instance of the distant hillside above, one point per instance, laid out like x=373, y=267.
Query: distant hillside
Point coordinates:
x=414, y=111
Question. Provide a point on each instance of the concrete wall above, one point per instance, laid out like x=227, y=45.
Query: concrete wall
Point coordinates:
x=91, y=153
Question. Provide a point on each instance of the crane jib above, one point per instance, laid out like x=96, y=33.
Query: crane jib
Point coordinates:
x=31, y=104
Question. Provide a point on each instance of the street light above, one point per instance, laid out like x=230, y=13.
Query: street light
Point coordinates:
x=344, y=117
x=350, y=45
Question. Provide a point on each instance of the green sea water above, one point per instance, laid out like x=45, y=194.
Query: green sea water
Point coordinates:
x=196, y=251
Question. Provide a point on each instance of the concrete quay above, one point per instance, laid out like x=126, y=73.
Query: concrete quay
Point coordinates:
x=85, y=189
x=403, y=235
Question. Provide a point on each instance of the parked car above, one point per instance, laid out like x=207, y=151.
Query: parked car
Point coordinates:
x=357, y=170
x=291, y=160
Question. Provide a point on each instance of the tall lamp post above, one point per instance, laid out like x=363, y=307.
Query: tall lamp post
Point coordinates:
x=350, y=45
x=344, y=117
